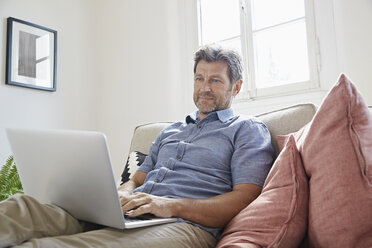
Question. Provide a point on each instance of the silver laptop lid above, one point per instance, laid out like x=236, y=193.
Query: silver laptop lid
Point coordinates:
x=71, y=169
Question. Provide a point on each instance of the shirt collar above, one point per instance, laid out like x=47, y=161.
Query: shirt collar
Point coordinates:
x=223, y=115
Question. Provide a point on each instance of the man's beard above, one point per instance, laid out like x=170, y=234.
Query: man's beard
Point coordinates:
x=215, y=105
x=204, y=108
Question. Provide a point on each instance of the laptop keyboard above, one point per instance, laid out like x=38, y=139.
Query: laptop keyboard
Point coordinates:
x=139, y=218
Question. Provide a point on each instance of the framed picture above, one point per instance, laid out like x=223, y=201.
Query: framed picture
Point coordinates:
x=31, y=55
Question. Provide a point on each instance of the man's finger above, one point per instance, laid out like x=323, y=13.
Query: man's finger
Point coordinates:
x=143, y=209
x=135, y=202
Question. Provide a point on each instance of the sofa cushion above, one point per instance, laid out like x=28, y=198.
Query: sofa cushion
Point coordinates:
x=278, y=217
x=135, y=159
x=336, y=149
x=144, y=135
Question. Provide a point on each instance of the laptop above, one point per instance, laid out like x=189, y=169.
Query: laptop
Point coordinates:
x=72, y=169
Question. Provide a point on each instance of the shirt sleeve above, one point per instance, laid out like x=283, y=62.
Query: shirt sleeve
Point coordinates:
x=253, y=155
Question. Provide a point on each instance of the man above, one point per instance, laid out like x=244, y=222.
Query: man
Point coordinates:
x=203, y=171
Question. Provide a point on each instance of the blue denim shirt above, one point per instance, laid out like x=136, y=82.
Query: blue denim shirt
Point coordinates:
x=203, y=159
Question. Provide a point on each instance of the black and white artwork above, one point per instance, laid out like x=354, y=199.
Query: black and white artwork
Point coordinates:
x=31, y=55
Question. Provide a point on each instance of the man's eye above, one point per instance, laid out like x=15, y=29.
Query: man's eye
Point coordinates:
x=198, y=79
x=216, y=80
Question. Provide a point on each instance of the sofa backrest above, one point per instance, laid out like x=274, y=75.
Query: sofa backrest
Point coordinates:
x=287, y=120
x=144, y=135
x=279, y=122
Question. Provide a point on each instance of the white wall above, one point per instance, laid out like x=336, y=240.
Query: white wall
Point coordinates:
x=353, y=21
x=72, y=105
x=143, y=68
x=122, y=63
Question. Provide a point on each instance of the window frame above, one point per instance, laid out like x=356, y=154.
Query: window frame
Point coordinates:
x=250, y=91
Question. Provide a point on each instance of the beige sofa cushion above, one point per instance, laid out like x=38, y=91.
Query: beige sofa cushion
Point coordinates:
x=279, y=122
x=144, y=135
x=287, y=120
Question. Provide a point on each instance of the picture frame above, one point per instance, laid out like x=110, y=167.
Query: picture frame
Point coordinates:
x=31, y=55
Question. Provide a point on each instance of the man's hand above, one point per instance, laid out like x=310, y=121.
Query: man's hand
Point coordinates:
x=216, y=211
x=213, y=212
x=141, y=203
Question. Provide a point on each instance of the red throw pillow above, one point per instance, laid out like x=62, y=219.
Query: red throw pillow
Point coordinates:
x=336, y=150
x=278, y=217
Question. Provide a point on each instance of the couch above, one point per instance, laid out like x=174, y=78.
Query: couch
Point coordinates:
x=284, y=214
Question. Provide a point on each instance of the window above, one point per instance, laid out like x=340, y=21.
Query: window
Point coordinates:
x=275, y=37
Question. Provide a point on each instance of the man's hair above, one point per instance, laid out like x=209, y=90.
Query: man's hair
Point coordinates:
x=218, y=53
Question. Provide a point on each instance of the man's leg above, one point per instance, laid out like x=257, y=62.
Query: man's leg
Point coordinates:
x=173, y=235
x=23, y=218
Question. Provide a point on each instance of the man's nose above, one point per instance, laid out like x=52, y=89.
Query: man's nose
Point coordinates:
x=206, y=86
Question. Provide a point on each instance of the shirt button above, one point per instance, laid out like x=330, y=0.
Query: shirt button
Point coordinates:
x=198, y=126
x=156, y=180
x=178, y=157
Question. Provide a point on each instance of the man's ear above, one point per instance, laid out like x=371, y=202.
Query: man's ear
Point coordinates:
x=236, y=87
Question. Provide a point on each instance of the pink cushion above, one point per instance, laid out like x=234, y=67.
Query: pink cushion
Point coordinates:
x=279, y=215
x=336, y=149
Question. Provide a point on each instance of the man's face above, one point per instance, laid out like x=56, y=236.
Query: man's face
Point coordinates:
x=212, y=88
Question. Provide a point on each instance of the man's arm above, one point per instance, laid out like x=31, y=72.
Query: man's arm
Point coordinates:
x=137, y=180
x=213, y=212
x=219, y=210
